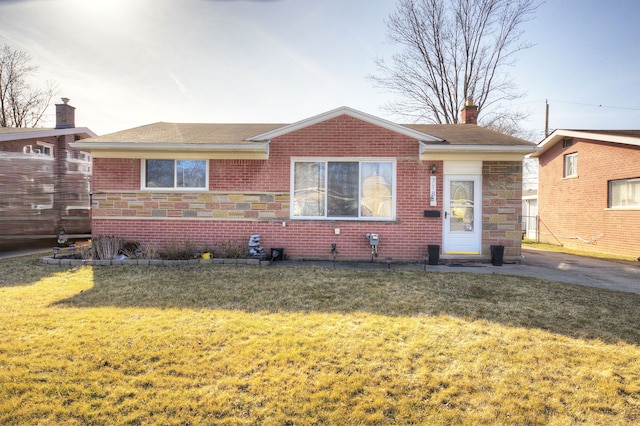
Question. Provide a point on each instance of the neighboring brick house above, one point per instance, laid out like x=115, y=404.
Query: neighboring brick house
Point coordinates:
x=329, y=179
x=44, y=183
x=589, y=190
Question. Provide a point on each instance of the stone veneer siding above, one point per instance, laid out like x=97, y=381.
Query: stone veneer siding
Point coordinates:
x=502, y=206
x=194, y=206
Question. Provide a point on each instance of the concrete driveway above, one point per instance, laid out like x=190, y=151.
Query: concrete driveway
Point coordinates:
x=567, y=268
x=562, y=267
x=582, y=270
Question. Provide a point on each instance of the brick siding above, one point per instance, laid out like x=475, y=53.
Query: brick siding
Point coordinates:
x=574, y=211
x=252, y=196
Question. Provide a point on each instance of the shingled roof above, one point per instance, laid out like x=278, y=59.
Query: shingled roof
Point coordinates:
x=250, y=137
x=468, y=134
x=186, y=133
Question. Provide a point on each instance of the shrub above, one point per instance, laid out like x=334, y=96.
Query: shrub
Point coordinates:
x=175, y=250
x=129, y=248
x=104, y=247
x=149, y=251
x=230, y=249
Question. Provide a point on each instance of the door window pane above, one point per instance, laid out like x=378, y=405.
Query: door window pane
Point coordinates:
x=462, y=207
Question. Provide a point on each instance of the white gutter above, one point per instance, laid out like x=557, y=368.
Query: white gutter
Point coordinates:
x=183, y=147
x=193, y=151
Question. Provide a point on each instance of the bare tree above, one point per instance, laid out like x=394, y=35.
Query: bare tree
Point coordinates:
x=20, y=104
x=454, y=50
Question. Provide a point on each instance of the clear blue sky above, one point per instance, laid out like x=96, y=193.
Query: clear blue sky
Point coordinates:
x=125, y=63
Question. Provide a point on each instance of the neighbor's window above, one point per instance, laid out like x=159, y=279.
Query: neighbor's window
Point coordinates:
x=624, y=193
x=571, y=165
x=45, y=149
x=343, y=189
x=175, y=174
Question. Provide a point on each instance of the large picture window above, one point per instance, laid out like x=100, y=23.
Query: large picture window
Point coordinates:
x=175, y=174
x=343, y=189
x=624, y=193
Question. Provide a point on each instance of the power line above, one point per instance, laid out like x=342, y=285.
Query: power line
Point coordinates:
x=593, y=105
x=578, y=103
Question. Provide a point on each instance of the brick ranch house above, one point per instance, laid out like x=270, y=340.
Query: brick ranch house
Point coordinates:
x=589, y=190
x=329, y=179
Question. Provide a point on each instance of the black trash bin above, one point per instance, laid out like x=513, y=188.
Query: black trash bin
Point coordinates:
x=497, y=253
x=277, y=254
x=434, y=254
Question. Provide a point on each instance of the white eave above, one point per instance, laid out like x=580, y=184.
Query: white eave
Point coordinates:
x=258, y=150
x=560, y=134
x=413, y=134
x=20, y=134
x=474, y=152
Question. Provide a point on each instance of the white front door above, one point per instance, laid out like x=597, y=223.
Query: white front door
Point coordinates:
x=462, y=214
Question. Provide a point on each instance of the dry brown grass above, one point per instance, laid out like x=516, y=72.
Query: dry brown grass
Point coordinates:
x=277, y=345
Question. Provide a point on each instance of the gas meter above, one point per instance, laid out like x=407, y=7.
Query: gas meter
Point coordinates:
x=374, y=239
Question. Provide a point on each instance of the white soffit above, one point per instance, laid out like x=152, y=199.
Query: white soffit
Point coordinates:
x=469, y=167
x=44, y=133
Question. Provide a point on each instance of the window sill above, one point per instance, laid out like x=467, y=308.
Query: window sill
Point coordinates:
x=622, y=209
x=570, y=177
x=174, y=190
x=338, y=219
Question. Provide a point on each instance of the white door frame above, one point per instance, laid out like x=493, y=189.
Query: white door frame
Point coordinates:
x=468, y=239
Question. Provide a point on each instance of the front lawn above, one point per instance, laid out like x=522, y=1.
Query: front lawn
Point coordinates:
x=214, y=344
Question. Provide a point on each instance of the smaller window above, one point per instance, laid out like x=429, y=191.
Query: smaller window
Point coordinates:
x=45, y=149
x=571, y=165
x=175, y=174
x=567, y=142
x=81, y=156
x=624, y=193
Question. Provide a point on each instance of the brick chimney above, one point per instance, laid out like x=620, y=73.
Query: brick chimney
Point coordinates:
x=65, y=115
x=469, y=113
